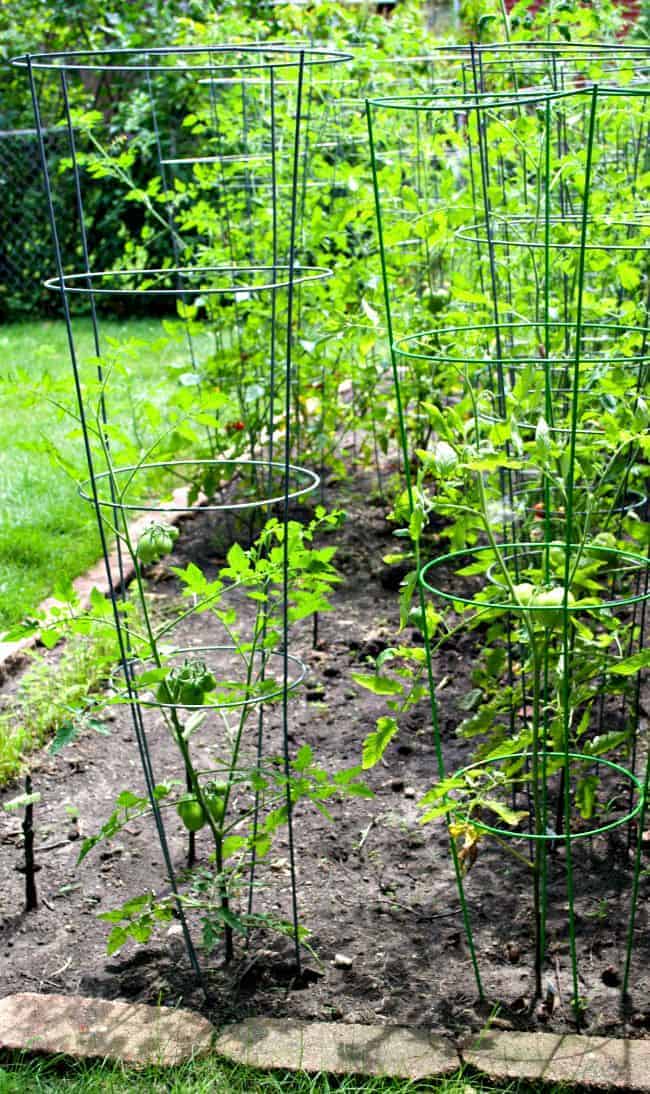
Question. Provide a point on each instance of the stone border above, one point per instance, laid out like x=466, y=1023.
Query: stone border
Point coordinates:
x=135, y=1033
x=11, y=653
x=338, y=1048
x=85, y=1028
x=600, y=1063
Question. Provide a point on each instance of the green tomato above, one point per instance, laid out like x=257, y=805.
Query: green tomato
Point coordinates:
x=217, y=806
x=438, y=299
x=215, y=797
x=164, y=693
x=191, y=813
x=548, y=603
x=145, y=551
x=186, y=685
x=551, y=601
x=190, y=694
x=524, y=592
x=155, y=542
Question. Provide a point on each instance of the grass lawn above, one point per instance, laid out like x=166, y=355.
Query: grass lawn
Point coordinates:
x=213, y=1076
x=47, y=533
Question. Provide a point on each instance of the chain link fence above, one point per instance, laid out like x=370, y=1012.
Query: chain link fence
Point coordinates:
x=26, y=251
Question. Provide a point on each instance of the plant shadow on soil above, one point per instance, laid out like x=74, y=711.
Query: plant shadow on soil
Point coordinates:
x=374, y=885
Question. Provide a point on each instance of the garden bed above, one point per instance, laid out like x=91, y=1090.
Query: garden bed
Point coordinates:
x=376, y=889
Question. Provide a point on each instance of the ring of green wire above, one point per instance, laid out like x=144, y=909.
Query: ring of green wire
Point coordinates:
x=507, y=833
x=605, y=605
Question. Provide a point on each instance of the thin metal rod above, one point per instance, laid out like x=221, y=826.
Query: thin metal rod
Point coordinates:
x=566, y=629
x=285, y=545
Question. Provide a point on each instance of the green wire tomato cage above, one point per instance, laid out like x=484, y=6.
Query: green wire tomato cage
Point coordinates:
x=223, y=185
x=513, y=232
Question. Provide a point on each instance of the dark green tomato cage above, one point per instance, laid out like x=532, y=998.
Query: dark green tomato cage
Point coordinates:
x=215, y=157
x=513, y=240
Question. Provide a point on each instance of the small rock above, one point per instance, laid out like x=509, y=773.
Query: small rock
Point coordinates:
x=279, y=864
x=342, y=961
x=409, y=791
x=349, y=694
x=513, y=952
x=174, y=931
x=638, y=1019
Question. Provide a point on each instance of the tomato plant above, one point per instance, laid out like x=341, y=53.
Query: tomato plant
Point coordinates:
x=517, y=321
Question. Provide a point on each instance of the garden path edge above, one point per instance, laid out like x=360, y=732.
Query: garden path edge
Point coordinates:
x=11, y=653
x=136, y=1033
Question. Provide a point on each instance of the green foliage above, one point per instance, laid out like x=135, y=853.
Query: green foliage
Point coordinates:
x=37, y=712
x=228, y=692
x=484, y=361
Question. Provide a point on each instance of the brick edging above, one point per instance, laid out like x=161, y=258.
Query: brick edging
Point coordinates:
x=138, y=1034
x=596, y=1063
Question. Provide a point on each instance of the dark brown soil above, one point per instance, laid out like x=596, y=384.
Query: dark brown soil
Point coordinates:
x=374, y=886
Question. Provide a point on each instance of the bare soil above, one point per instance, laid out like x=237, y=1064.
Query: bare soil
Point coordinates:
x=375, y=888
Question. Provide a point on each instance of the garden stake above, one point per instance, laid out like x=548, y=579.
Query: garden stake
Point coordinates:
x=31, y=898
x=425, y=629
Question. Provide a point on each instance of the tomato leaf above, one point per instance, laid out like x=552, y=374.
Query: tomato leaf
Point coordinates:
x=377, y=742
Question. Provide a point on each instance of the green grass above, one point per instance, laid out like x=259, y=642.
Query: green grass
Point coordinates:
x=38, y=710
x=212, y=1076
x=47, y=533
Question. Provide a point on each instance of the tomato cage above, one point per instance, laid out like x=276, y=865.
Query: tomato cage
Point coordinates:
x=189, y=172
x=513, y=241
